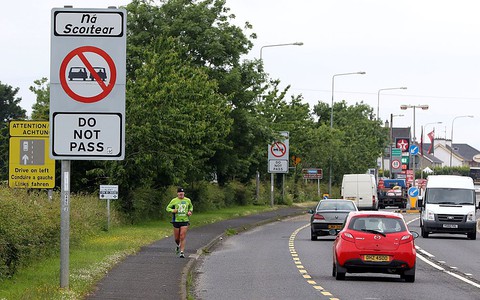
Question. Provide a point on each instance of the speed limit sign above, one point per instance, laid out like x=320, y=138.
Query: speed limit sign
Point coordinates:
x=396, y=166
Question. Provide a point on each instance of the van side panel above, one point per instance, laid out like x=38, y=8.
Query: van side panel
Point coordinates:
x=362, y=189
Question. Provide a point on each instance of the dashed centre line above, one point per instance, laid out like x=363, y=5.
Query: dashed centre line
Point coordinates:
x=301, y=268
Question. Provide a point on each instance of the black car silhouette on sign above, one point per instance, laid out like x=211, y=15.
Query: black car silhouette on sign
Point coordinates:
x=77, y=73
x=101, y=73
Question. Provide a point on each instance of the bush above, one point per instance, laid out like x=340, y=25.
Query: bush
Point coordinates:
x=30, y=225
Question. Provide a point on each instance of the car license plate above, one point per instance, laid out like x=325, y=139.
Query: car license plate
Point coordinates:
x=450, y=226
x=334, y=226
x=376, y=258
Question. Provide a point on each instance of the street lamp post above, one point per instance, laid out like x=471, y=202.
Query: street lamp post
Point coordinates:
x=271, y=174
x=331, y=122
x=378, y=118
x=279, y=45
x=392, y=142
x=378, y=98
x=451, y=136
x=423, y=107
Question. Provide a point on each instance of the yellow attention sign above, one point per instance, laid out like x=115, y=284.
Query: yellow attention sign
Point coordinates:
x=29, y=163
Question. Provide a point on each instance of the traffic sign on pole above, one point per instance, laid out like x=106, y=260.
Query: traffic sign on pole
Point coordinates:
x=29, y=163
x=87, y=88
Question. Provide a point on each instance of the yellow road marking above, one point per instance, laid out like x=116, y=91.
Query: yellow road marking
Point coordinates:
x=300, y=267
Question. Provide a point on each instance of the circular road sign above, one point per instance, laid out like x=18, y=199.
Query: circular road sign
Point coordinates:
x=396, y=164
x=413, y=149
x=92, y=64
x=413, y=192
x=278, y=149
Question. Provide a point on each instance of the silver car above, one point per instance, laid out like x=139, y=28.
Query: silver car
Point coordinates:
x=329, y=215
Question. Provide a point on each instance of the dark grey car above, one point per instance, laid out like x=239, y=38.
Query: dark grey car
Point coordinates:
x=329, y=215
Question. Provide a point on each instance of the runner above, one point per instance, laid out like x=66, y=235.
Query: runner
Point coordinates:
x=182, y=209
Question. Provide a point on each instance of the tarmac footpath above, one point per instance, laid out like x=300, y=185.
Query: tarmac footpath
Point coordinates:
x=155, y=272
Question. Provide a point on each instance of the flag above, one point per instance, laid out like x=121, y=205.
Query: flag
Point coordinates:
x=431, y=136
x=421, y=142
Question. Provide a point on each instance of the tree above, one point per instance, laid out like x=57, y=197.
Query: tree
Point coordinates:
x=9, y=110
x=356, y=140
x=176, y=122
x=41, y=108
x=209, y=41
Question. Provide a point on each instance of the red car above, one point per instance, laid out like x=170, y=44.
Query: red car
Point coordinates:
x=375, y=242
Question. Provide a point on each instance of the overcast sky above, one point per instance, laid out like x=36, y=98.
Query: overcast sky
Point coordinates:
x=432, y=47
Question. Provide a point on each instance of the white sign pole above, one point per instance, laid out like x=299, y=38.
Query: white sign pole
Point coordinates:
x=65, y=224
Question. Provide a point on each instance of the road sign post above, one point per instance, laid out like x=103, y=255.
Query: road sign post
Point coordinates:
x=87, y=96
x=278, y=158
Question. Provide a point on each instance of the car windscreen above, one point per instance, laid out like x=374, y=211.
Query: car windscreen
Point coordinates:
x=377, y=224
x=330, y=205
x=449, y=196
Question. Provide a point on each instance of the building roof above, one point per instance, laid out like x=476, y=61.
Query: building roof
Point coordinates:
x=464, y=150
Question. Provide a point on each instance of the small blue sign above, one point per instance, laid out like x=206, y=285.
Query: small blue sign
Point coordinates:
x=413, y=150
x=413, y=192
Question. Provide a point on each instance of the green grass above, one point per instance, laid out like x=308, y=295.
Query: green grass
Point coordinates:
x=94, y=256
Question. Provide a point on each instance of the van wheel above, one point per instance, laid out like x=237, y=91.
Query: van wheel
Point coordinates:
x=472, y=235
x=424, y=233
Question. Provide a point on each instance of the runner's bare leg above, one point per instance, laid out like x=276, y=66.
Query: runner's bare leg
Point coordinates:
x=183, y=235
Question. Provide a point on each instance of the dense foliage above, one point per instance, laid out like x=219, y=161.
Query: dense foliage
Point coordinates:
x=30, y=227
x=10, y=109
x=196, y=112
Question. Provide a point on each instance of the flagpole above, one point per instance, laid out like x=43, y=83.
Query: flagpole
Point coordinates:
x=421, y=153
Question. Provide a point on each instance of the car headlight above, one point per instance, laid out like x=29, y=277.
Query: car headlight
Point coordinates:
x=430, y=215
x=471, y=216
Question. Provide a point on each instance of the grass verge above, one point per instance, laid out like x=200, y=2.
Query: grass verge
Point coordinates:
x=94, y=256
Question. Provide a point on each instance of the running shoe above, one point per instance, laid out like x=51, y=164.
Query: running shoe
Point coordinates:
x=182, y=255
x=177, y=250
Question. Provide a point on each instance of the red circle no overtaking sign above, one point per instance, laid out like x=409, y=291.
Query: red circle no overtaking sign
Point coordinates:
x=278, y=149
x=105, y=87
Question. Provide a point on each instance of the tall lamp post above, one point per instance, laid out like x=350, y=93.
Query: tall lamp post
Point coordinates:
x=331, y=122
x=378, y=98
x=451, y=136
x=392, y=142
x=423, y=107
x=271, y=174
x=279, y=45
x=378, y=118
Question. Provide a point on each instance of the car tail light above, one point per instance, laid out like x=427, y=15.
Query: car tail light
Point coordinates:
x=318, y=217
x=347, y=236
x=406, y=239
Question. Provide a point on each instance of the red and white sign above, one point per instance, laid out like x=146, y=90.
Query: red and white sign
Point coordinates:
x=396, y=164
x=278, y=149
x=87, y=74
x=87, y=88
x=403, y=144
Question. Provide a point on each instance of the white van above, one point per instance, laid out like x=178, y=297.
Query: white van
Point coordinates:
x=448, y=206
x=362, y=189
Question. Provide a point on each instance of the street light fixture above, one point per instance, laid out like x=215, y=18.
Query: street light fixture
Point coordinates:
x=331, y=122
x=451, y=136
x=333, y=89
x=423, y=107
x=279, y=45
x=271, y=175
x=378, y=98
